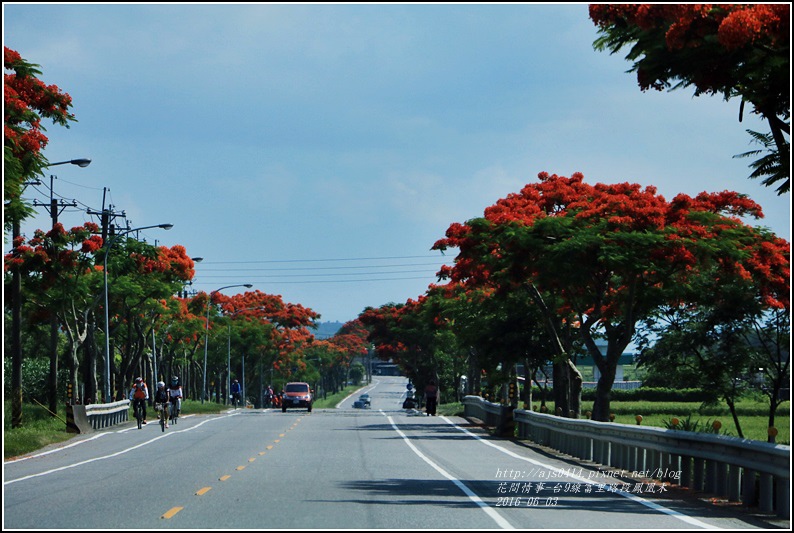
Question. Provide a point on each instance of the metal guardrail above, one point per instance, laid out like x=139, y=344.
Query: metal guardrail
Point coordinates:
x=85, y=418
x=753, y=472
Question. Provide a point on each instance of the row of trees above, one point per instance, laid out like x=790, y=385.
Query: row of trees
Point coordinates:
x=152, y=329
x=551, y=271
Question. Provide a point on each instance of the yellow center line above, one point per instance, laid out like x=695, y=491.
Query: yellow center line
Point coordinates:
x=277, y=440
x=224, y=478
x=270, y=447
x=203, y=491
x=240, y=468
x=251, y=459
x=281, y=435
x=262, y=453
x=171, y=512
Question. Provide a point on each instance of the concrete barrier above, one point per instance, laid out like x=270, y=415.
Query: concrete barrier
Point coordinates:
x=88, y=418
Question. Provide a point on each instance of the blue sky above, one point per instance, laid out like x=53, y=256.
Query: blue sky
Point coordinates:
x=318, y=151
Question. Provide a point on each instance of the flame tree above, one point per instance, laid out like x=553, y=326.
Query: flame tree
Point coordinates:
x=612, y=255
x=59, y=277
x=733, y=50
x=142, y=279
x=26, y=100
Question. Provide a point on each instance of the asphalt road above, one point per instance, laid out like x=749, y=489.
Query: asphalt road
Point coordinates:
x=342, y=468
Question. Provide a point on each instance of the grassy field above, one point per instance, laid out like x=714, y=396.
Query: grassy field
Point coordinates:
x=41, y=429
x=752, y=417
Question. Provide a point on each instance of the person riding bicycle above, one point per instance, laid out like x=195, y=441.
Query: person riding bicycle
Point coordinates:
x=162, y=398
x=139, y=393
x=236, y=396
x=175, y=392
x=269, y=396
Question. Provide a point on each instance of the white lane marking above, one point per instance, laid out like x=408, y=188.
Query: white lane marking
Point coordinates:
x=120, y=452
x=565, y=473
x=501, y=522
x=61, y=448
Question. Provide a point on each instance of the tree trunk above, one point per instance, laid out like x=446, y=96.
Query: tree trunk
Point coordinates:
x=734, y=414
x=773, y=404
x=567, y=388
x=601, y=410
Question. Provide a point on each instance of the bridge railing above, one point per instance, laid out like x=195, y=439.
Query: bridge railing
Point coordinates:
x=755, y=473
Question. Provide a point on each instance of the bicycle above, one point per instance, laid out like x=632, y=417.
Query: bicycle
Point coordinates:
x=162, y=408
x=174, y=414
x=138, y=409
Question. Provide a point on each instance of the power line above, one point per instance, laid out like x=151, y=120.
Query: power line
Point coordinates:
x=292, y=269
x=328, y=281
x=319, y=275
x=319, y=260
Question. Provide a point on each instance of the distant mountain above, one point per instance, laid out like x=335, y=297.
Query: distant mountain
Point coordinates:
x=327, y=329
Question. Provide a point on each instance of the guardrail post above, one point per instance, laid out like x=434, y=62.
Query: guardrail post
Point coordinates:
x=783, y=498
x=734, y=483
x=700, y=472
x=765, y=493
x=652, y=458
x=686, y=471
x=749, y=493
x=722, y=479
x=711, y=476
x=673, y=470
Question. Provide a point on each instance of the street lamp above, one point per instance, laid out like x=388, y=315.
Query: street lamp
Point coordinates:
x=82, y=163
x=107, y=317
x=207, y=334
x=16, y=318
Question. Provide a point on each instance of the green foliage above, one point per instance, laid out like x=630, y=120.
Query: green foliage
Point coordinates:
x=35, y=379
x=770, y=166
x=357, y=372
x=649, y=394
x=687, y=424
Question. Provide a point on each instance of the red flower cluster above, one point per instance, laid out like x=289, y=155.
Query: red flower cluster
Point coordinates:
x=736, y=25
x=26, y=100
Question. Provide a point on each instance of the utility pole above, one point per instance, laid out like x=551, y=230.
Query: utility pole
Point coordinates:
x=54, y=209
x=16, y=338
x=107, y=215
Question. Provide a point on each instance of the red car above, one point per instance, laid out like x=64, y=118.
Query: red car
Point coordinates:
x=296, y=394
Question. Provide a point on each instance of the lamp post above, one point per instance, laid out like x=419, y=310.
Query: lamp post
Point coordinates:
x=53, y=377
x=107, y=315
x=207, y=334
x=16, y=318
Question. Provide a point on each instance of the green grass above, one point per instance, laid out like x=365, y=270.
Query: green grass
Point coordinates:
x=752, y=414
x=39, y=429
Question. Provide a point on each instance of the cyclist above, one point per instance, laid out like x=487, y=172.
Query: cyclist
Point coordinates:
x=236, y=392
x=175, y=392
x=269, y=396
x=162, y=399
x=139, y=393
